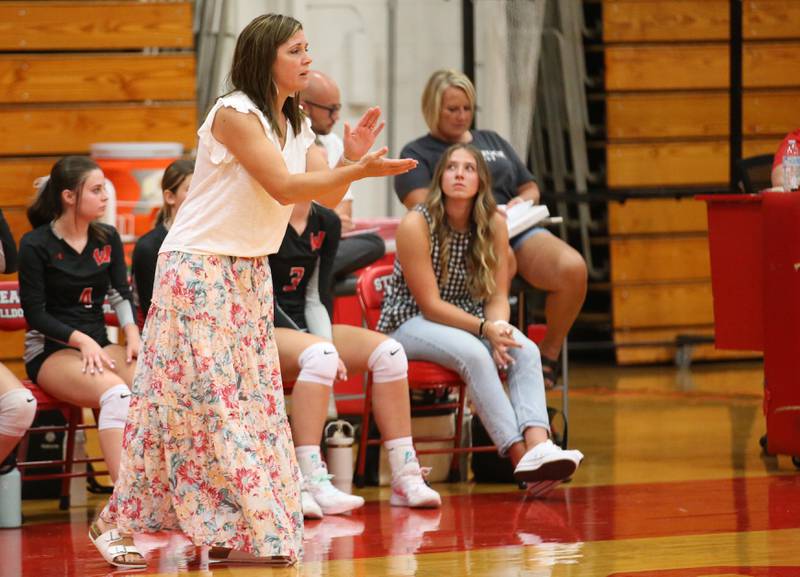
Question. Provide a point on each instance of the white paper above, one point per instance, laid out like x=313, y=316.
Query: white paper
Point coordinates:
x=523, y=215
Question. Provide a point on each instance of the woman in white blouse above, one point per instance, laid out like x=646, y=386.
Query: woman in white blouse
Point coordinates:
x=208, y=449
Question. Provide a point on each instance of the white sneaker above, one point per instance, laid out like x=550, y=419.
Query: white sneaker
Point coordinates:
x=311, y=509
x=331, y=500
x=409, y=488
x=547, y=462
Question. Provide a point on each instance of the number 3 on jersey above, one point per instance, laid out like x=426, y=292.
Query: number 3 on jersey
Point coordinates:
x=295, y=276
x=86, y=297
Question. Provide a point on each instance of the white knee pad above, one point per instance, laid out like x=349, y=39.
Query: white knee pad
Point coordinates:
x=388, y=362
x=319, y=364
x=17, y=409
x=114, y=407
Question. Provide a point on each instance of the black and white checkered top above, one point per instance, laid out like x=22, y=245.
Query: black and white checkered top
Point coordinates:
x=398, y=303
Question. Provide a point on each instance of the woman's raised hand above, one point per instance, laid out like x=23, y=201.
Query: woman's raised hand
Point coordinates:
x=358, y=140
x=375, y=164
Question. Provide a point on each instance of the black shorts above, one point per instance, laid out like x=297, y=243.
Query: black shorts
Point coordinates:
x=33, y=367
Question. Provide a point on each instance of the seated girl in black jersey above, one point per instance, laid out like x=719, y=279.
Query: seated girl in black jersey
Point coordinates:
x=174, y=185
x=302, y=273
x=17, y=404
x=67, y=264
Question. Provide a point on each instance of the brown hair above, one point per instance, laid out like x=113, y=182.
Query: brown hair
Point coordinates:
x=481, y=257
x=251, y=71
x=174, y=175
x=68, y=173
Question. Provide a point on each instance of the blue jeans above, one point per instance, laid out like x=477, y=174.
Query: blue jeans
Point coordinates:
x=505, y=419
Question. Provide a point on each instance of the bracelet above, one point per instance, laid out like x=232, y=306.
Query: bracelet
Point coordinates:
x=480, y=327
x=347, y=162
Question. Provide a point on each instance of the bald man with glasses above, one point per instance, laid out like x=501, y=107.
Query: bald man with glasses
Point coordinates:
x=322, y=103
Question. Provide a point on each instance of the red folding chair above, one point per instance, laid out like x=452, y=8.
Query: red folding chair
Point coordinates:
x=12, y=319
x=422, y=375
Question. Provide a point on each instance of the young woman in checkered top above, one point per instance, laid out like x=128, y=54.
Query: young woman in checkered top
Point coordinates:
x=447, y=302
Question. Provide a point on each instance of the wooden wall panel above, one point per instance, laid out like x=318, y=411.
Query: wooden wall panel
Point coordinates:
x=657, y=345
x=671, y=20
x=658, y=20
x=91, y=25
x=699, y=66
x=771, y=19
x=656, y=216
x=17, y=221
x=17, y=176
x=73, y=73
x=11, y=345
x=667, y=107
x=662, y=305
x=17, y=367
x=696, y=114
x=675, y=163
x=681, y=114
x=96, y=78
x=72, y=129
x=666, y=67
x=656, y=259
x=771, y=113
x=771, y=65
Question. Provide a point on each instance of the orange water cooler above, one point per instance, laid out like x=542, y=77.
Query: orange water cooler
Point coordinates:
x=135, y=169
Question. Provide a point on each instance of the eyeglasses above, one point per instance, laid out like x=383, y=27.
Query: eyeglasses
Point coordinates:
x=332, y=109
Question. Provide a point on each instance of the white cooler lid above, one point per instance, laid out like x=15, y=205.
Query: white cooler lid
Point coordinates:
x=136, y=149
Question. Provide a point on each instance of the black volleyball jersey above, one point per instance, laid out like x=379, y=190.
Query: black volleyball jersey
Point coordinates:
x=143, y=268
x=8, y=248
x=295, y=262
x=62, y=290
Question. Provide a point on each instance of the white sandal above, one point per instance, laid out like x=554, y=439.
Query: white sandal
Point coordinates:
x=110, y=547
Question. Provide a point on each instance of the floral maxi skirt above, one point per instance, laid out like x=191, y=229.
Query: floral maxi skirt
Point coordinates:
x=207, y=448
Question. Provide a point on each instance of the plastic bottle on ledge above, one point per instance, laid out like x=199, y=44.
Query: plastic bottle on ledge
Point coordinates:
x=791, y=167
x=10, y=495
x=339, y=440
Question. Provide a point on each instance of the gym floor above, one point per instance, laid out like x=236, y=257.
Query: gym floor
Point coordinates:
x=674, y=484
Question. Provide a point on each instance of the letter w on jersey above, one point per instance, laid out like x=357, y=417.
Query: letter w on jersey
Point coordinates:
x=317, y=240
x=102, y=256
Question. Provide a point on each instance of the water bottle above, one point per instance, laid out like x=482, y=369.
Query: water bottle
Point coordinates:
x=77, y=485
x=10, y=497
x=339, y=440
x=791, y=167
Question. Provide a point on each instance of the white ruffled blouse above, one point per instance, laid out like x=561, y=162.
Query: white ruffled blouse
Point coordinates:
x=226, y=212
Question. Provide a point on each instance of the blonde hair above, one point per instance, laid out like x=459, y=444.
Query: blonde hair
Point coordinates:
x=481, y=257
x=440, y=81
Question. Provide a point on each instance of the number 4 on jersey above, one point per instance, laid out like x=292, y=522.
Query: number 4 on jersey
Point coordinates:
x=86, y=297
